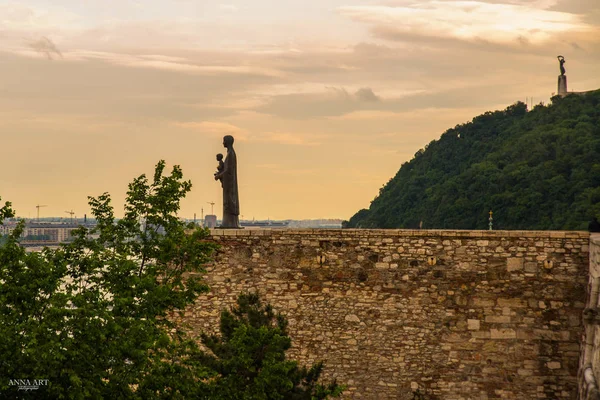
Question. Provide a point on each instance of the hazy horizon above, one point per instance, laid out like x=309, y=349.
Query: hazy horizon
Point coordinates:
x=325, y=99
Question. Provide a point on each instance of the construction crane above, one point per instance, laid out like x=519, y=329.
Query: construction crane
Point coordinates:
x=70, y=213
x=212, y=204
x=38, y=210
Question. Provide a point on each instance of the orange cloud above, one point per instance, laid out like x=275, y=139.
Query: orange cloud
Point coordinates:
x=290, y=138
x=469, y=20
x=215, y=128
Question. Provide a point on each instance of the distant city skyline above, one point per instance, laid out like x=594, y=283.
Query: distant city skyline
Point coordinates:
x=76, y=220
x=326, y=99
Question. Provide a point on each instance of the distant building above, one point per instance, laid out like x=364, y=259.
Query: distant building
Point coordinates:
x=210, y=221
x=41, y=232
x=264, y=224
x=317, y=223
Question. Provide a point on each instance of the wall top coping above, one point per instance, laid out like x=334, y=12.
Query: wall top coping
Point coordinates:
x=401, y=232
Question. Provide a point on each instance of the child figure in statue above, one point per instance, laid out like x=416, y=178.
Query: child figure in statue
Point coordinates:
x=220, y=167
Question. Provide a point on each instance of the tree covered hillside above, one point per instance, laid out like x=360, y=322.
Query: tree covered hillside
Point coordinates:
x=535, y=170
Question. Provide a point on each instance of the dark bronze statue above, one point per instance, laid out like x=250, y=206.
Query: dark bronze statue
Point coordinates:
x=228, y=178
x=562, y=61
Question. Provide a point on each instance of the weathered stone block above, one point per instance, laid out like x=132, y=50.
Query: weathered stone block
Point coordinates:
x=497, y=319
x=505, y=333
x=513, y=303
x=479, y=302
x=531, y=267
x=514, y=264
x=473, y=324
x=553, y=365
x=351, y=318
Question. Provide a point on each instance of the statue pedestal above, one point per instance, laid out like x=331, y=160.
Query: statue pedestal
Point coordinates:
x=562, y=85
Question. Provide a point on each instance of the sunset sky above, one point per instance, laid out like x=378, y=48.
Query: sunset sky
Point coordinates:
x=325, y=98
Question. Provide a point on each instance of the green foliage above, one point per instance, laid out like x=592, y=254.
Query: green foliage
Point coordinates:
x=91, y=317
x=6, y=211
x=536, y=170
x=249, y=358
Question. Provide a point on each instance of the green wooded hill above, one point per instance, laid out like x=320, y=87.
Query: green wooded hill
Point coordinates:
x=535, y=170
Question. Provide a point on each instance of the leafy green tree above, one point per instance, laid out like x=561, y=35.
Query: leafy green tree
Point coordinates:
x=6, y=211
x=91, y=317
x=535, y=169
x=249, y=358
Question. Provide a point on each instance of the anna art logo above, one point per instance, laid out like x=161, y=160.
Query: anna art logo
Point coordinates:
x=27, y=384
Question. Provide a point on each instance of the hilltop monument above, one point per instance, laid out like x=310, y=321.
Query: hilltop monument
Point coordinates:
x=562, y=78
x=228, y=177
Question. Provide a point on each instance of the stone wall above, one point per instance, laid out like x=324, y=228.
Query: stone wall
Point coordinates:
x=457, y=314
x=589, y=372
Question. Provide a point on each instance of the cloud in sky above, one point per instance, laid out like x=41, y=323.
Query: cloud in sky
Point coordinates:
x=215, y=129
x=366, y=94
x=45, y=46
x=229, y=7
x=20, y=17
x=328, y=101
x=289, y=138
x=502, y=23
